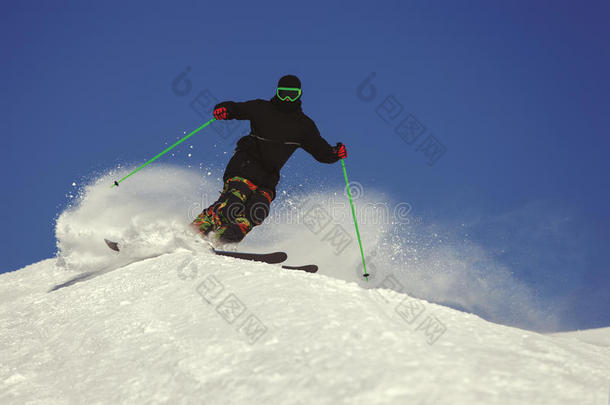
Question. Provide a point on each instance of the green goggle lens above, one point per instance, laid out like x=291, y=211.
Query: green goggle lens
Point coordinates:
x=288, y=93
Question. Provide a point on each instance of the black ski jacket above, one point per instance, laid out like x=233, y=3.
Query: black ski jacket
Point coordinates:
x=274, y=136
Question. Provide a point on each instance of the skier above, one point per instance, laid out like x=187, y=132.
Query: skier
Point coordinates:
x=278, y=127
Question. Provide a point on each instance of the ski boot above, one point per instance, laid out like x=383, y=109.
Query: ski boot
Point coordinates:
x=206, y=222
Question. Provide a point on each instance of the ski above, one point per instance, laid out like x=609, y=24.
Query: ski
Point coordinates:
x=310, y=268
x=112, y=245
x=271, y=258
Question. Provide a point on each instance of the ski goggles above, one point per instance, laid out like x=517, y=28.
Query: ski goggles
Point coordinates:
x=288, y=93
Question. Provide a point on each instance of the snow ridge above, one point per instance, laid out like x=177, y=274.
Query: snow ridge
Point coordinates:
x=149, y=214
x=167, y=321
x=192, y=327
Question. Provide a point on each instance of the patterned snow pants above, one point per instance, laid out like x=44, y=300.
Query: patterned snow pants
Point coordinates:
x=241, y=206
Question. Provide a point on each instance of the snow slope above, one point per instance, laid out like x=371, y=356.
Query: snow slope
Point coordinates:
x=150, y=211
x=191, y=327
x=165, y=321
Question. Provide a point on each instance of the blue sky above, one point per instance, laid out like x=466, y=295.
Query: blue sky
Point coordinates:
x=517, y=95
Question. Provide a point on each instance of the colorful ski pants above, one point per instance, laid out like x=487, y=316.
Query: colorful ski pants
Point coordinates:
x=242, y=205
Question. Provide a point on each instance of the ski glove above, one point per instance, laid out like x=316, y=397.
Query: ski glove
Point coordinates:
x=340, y=150
x=221, y=113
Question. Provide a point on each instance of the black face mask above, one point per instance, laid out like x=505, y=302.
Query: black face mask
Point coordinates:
x=286, y=106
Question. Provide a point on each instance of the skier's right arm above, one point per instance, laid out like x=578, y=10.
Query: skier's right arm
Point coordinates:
x=231, y=110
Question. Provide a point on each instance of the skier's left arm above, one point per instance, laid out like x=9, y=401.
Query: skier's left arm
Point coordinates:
x=231, y=110
x=320, y=149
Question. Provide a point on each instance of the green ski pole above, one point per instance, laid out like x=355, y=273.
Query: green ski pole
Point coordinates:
x=349, y=193
x=116, y=183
